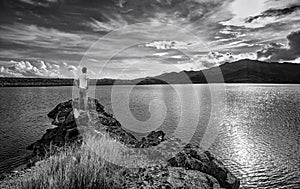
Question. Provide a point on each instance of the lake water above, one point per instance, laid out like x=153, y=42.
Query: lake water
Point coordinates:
x=255, y=127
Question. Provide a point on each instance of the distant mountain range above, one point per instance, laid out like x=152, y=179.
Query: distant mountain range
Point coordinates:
x=242, y=71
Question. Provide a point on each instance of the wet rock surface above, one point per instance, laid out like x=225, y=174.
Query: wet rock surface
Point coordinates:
x=190, y=168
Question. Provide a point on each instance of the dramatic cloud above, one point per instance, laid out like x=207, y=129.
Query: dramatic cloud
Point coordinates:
x=274, y=13
x=30, y=69
x=242, y=9
x=164, y=35
x=281, y=52
x=261, y=13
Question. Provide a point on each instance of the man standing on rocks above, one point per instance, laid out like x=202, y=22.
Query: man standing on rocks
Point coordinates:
x=82, y=84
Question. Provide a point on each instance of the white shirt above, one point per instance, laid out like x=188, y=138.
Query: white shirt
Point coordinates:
x=83, y=81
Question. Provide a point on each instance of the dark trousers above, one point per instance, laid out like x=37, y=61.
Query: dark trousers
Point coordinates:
x=82, y=98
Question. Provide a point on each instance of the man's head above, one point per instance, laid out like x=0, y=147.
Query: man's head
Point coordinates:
x=84, y=70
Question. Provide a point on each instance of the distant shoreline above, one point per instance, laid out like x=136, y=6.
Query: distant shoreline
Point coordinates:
x=67, y=85
x=242, y=71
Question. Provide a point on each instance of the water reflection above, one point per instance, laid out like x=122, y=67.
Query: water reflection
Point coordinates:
x=259, y=132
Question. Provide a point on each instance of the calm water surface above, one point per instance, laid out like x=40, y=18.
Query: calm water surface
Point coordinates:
x=258, y=136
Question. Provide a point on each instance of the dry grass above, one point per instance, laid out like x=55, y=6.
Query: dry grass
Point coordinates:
x=94, y=165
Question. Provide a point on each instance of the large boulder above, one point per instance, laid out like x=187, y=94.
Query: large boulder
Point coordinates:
x=194, y=159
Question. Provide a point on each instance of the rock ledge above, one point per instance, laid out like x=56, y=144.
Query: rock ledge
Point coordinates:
x=190, y=168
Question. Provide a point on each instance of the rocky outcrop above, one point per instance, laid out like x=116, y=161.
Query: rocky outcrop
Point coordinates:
x=192, y=158
x=68, y=132
x=170, y=177
x=190, y=168
x=182, y=178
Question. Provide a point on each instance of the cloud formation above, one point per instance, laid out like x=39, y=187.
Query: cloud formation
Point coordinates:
x=216, y=58
x=30, y=69
x=71, y=68
x=167, y=45
x=281, y=52
x=58, y=31
x=274, y=13
x=258, y=14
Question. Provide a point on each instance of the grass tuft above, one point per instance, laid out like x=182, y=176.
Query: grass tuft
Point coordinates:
x=96, y=164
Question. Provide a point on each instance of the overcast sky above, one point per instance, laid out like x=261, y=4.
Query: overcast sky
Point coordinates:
x=139, y=38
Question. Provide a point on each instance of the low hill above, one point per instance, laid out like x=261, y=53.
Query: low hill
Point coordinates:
x=242, y=71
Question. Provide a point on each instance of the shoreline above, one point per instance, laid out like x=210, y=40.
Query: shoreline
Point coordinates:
x=124, y=84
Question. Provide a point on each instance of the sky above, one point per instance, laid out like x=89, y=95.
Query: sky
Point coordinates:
x=129, y=39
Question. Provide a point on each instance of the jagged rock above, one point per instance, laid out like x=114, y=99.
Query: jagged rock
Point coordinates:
x=171, y=177
x=152, y=139
x=181, y=178
x=192, y=158
x=56, y=137
x=108, y=121
x=62, y=114
x=68, y=130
